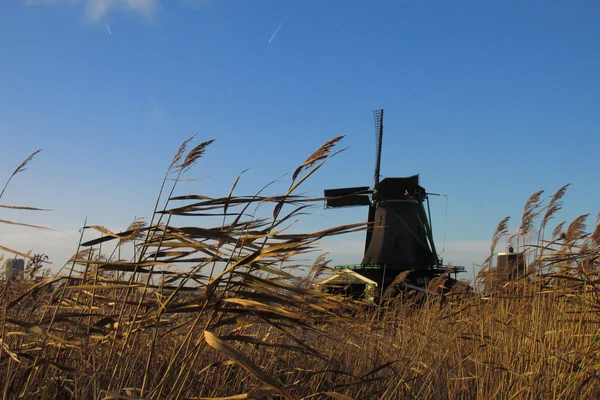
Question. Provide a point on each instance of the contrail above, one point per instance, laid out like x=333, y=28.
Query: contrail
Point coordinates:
x=108, y=29
x=277, y=30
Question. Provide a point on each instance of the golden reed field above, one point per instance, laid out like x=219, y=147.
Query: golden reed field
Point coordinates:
x=226, y=312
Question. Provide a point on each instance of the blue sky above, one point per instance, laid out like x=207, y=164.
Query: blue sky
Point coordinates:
x=488, y=101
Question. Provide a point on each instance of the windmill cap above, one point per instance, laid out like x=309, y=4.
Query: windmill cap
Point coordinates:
x=400, y=188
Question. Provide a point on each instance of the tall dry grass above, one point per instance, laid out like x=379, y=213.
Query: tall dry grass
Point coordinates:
x=21, y=168
x=217, y=311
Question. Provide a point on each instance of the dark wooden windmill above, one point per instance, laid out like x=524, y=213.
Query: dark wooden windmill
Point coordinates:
x=399, y=237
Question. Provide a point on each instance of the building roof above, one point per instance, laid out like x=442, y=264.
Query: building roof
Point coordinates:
x=346, y=276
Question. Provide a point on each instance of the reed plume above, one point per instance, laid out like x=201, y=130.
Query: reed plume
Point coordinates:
x=20, y=168
x=530, y=212
x=499, y=233
x=194, y=155
x=321, y=154
x=554, y=205
x=180, y=152
x=595, y=237
x=558, y=230
x=576, y=229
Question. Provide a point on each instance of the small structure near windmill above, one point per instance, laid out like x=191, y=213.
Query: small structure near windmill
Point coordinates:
x=14, y=268
x=353, y=283
x=509, y=266
x=506, y=267
x=399, y=237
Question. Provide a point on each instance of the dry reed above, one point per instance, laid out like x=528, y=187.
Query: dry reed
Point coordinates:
x=161, y=326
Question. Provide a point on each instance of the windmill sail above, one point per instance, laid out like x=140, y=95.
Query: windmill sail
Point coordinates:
x=347, y=197
x=378, y=117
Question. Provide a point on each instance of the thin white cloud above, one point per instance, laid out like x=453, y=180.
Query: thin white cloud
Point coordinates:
x=158, y=112
x=59, y=246
x=47, y=2
x=194, y=2
x=97, y=10
x=466, y=253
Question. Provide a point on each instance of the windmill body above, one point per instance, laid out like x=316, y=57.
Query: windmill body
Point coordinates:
x=399, y=236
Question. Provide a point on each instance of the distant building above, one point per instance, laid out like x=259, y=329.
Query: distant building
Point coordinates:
x=14, y=268
x=509, y=266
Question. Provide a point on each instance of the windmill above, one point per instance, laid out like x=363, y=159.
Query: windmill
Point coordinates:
x=399, y=236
